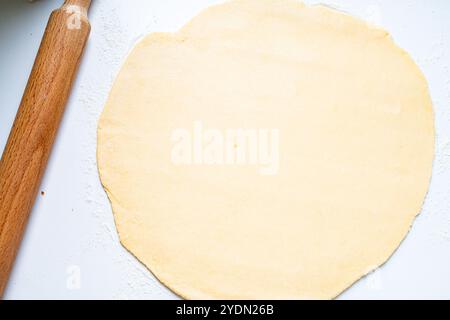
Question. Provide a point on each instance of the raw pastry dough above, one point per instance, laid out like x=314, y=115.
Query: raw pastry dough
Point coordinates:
x=356, y=145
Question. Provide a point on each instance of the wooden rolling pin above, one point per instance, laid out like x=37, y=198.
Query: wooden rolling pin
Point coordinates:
x=33, y=133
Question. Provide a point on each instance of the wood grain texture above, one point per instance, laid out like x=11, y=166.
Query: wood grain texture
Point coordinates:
x=28, y=148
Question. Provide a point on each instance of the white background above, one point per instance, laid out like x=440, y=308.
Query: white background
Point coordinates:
x=72, y=231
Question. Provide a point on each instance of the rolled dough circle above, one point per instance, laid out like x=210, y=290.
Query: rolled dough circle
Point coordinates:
x=356, y=145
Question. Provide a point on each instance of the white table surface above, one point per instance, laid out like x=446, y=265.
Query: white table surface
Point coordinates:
x=71, y=249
